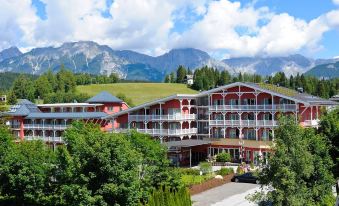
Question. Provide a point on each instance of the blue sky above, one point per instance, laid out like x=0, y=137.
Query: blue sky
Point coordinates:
x=223, y=28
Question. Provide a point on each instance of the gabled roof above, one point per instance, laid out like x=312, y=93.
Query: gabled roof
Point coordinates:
x=23, y=108
x=283, y=92
x=104, y=97
x=151, y=103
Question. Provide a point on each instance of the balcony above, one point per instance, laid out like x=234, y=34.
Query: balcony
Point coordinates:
x=163, y=132
x=169, y=132
x=168, y=117
x=244, y=123
x=276, y=107
x=46, y=126
x=45, y=139
x=244, y=143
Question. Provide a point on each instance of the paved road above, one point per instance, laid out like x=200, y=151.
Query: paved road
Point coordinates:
x=228, y=194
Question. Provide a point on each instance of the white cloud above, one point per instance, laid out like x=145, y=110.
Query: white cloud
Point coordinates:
x=282, y=34
x=17, y=22
x=336, y=2
x=222, y=27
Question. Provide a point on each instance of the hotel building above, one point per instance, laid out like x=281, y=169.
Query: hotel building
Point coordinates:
x=48, y=122
x=239, y=118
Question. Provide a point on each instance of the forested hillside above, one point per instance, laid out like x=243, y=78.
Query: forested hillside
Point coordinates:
x=207, y=78
x=7, y=79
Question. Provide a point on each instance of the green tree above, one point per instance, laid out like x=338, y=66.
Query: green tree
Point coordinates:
x=172, y=77
x=42, y=86
x=23, y=88
x=299, y=172
x=224, y=157
x=113, y=78
x=11, y=98
x=181, y=73
x=167, y=79
x=225, y=78
x=128, y=101
x=98, y=168
x=25, y=173
x=329, y=128
x=52, y=80
x=65, y=80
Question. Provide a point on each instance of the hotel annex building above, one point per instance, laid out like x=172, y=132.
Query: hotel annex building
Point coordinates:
x=239, y=118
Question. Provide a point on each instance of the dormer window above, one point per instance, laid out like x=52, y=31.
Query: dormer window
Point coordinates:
x=110, y=108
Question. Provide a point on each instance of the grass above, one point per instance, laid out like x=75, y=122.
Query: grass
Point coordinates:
x=139, y=93
x=282, y=90
x=190, y=180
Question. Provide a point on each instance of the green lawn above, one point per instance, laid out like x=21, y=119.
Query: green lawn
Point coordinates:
x=138, y=92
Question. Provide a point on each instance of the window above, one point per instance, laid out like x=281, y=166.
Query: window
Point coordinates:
x=267, y=117
x=249, y=116
x=249, y=101
x=248, y=155
x=265, y=135
x=218, y=102
x=173, y=111
x=250, y=134
x=234, y=102
x=110, y=109
x=267, y=101
x=157, y=111
x=219, y=117
x=234, y=116
x=155, y=125
x=174, y=126
x=233, y=133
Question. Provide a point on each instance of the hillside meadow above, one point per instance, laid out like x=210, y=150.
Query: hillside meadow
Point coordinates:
x=139, y=92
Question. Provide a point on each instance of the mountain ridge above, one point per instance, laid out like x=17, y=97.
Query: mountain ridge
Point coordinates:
x=9, y=53
x=91, y=57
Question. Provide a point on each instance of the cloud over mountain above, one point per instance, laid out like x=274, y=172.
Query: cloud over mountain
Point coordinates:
x=154, y=27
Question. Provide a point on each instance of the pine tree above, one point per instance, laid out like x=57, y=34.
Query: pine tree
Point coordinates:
x=167, y=79
x=11, y=98
x=181, y=73
x=172, y=78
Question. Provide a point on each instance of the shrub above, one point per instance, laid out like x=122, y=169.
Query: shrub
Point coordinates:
x=167, y=197
x=224, y=157
x=189, y=171
x=205, y=167
x=189, y=180
x=225, y=171
x=240, y=170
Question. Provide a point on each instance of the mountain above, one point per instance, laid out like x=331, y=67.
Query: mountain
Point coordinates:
x=90, y=57
x=9, y=53
x=189, y=57
x=267, y=66
x=80, y=57
x=327, y=71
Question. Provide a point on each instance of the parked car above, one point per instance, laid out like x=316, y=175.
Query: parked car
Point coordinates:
x=247, y=177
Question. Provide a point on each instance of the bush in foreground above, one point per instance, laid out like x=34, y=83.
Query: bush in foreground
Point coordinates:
x=299, y=172
x=225, y=171
x=93, y=168
x=167, y=197
x=224, y=157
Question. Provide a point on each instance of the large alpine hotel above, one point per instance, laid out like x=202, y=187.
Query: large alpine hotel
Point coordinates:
x=238, y=118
